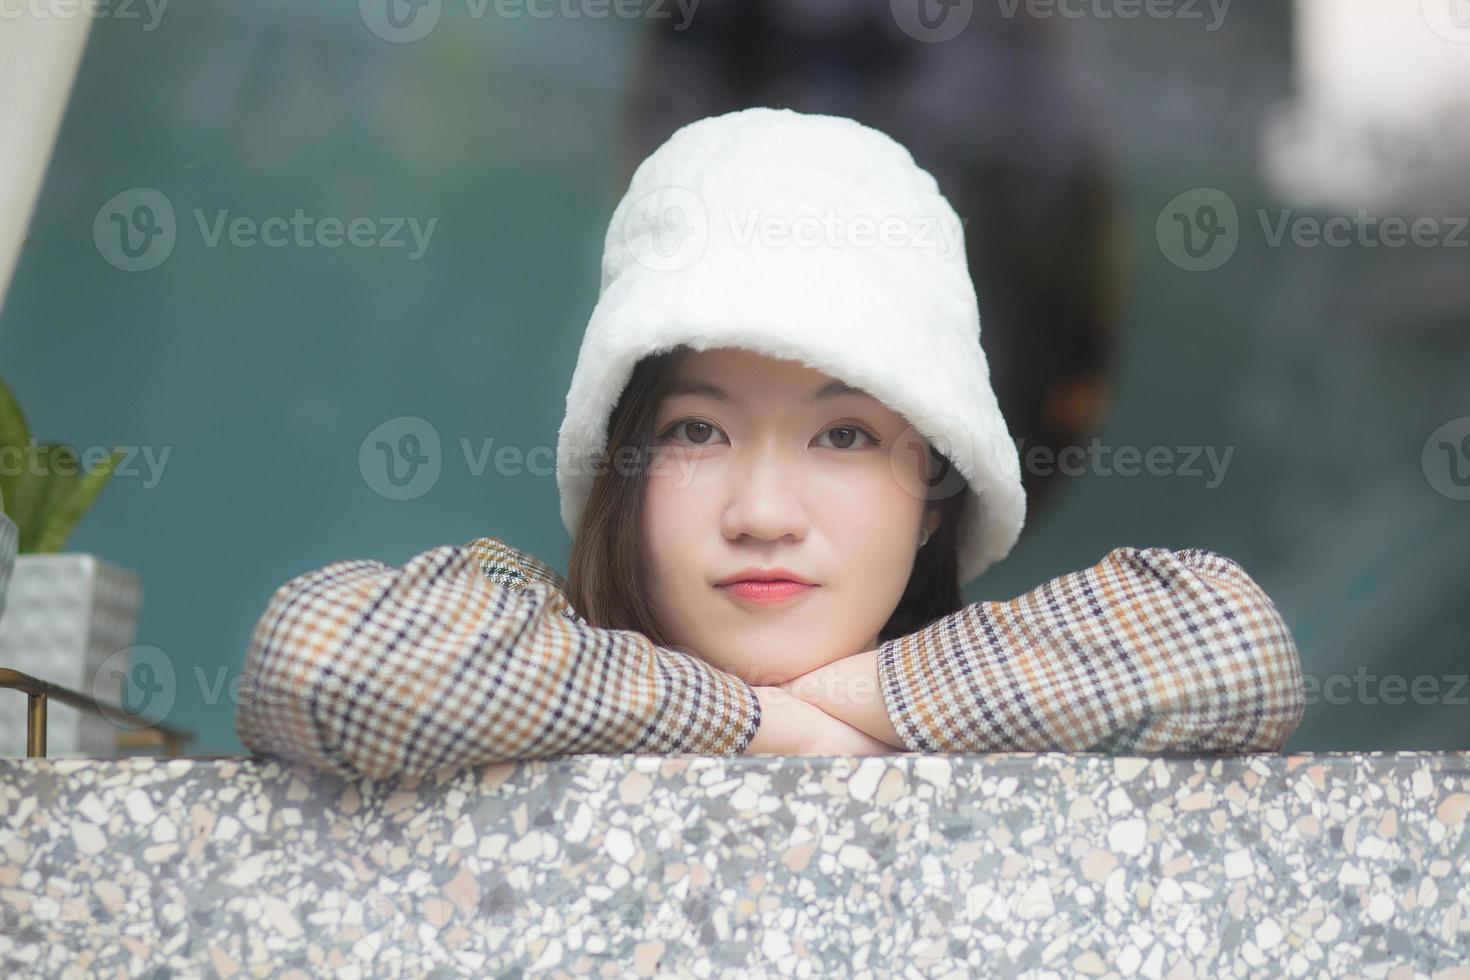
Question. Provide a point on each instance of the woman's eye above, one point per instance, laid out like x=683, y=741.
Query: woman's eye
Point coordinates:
x=696, y=432
x=848, y=436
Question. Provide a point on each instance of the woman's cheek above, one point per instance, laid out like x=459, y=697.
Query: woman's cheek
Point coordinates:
x=872, y=504
x=660, y=511
x=676, y=520
x=880, y=520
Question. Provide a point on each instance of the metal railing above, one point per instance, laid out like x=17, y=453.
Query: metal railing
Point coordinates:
x=39, y=692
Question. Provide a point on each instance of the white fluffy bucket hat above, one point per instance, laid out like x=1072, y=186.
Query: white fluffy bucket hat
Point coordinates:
x=812, y=238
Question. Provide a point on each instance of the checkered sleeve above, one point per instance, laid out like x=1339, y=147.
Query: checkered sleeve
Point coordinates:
x=467, y=655
x=1151, y=650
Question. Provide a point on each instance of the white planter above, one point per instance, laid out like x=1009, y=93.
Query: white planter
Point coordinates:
x=9, y=539
x=65, y=614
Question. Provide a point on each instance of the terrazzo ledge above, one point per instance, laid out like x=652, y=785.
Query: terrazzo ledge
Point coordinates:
x=1039, y=864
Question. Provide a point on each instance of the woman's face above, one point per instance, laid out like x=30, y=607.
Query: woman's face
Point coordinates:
x=757, y=463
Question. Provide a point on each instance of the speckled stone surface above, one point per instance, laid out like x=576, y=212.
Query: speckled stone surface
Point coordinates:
x=1038, y=864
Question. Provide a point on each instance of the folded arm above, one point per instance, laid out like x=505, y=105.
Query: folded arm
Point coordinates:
x=1150, y=650
x=466, y=655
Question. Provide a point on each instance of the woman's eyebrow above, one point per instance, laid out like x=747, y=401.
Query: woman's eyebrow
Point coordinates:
x=829, y=390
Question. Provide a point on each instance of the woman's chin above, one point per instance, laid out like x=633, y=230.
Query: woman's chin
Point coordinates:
x=759, y=674
x=769, y=655
x=750, y=669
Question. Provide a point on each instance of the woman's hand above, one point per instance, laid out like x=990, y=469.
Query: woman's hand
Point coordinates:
x=791, y=726
x=848, y=690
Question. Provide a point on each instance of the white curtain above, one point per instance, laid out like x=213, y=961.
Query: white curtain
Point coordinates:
x=1383, y=92
x=40, y=48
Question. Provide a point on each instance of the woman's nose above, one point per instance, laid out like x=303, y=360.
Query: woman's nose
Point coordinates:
x=767, y=498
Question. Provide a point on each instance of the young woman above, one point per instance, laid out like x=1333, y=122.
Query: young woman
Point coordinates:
x=781, y=460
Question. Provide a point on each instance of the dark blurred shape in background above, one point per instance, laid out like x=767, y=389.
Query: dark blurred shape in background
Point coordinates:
x=994, y=114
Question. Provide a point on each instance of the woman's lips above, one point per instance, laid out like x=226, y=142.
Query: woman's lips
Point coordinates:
x=765, y=593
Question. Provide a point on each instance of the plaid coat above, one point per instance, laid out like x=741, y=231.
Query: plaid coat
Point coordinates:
x=473, y=654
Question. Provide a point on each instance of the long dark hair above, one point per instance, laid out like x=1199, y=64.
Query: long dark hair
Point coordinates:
x=606, y=572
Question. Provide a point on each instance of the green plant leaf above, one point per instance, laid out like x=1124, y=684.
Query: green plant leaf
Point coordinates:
x=13, y=433
x=31, y=488
x=63, y=475
x=62, y=517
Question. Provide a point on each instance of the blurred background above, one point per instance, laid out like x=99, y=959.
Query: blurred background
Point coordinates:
x=1229, y=240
